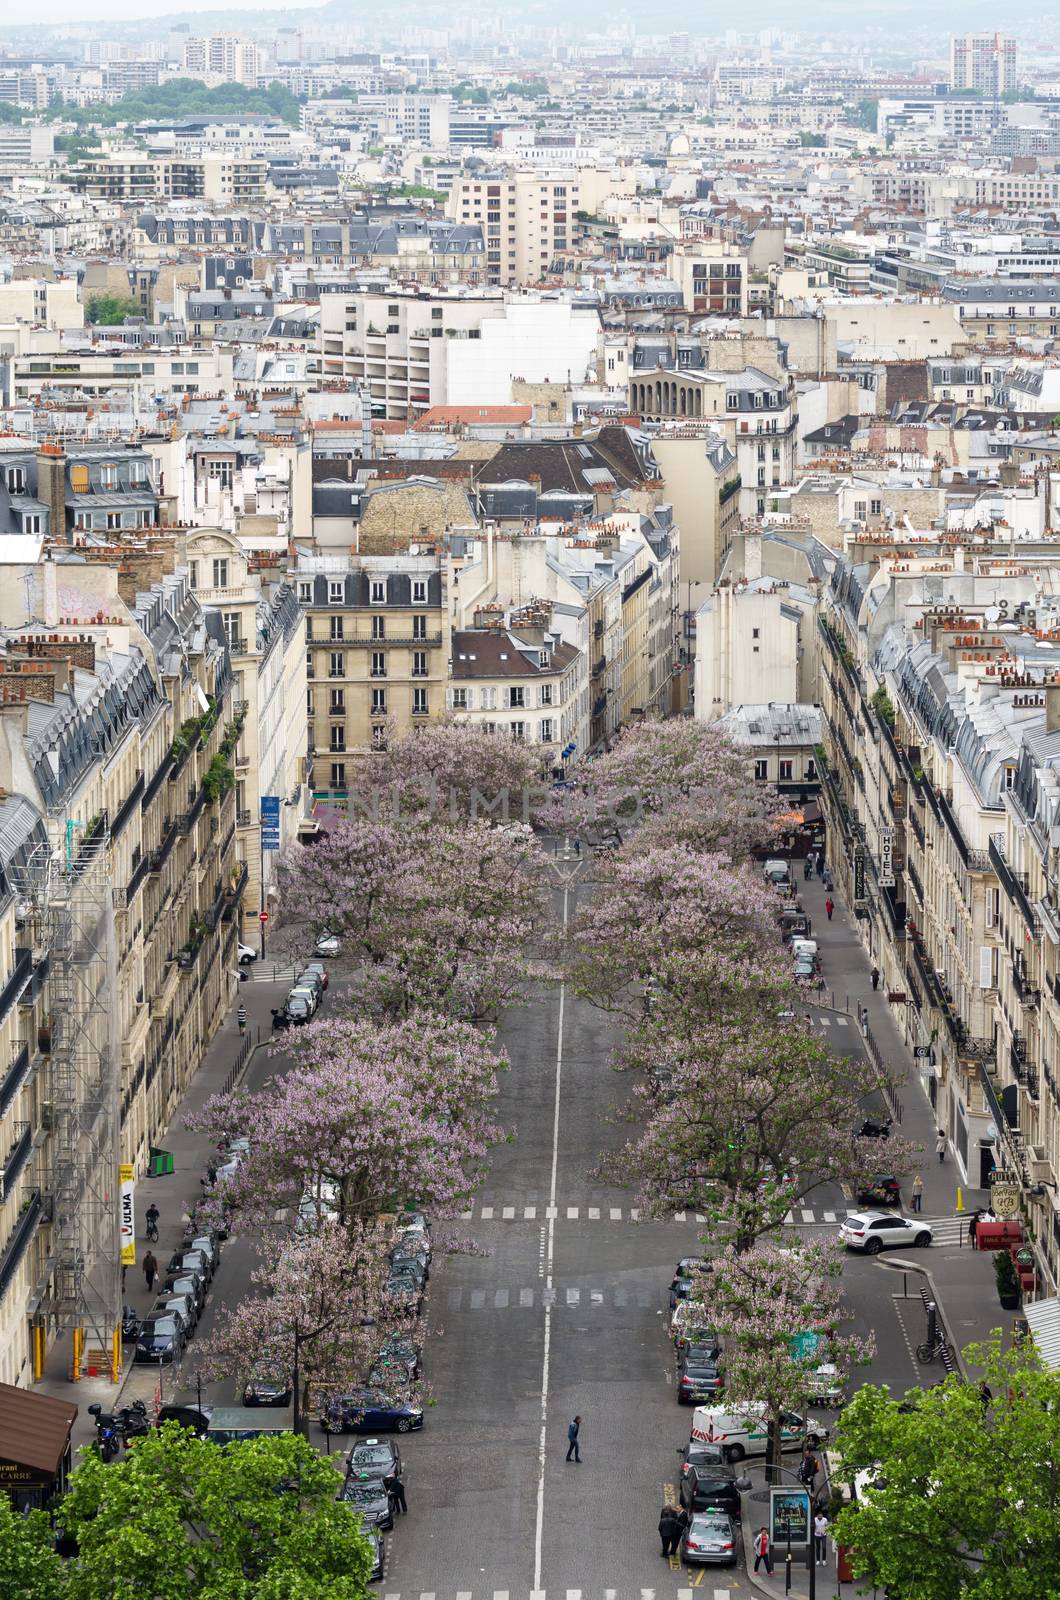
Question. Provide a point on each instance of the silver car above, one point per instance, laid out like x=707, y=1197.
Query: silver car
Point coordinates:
x=873, y=1231
x=709, y=1540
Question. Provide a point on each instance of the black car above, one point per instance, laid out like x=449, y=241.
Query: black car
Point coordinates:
x=701, y=1348
x=258, y=1391
x=369, y=1498
x=378, y=1457
x=393, y=1376
x=405, y=1289
x=188, y=1416
x=411, y=1259
x=369, y=1411
x=162, y=1338
x=698, y=1453
x=687, y=1272
x=375, y=1542
x=183, y=1304
x=190, y=1261
x=706, y=1488
x=698, y=1381
x=402, y=1348
x=881, y=1189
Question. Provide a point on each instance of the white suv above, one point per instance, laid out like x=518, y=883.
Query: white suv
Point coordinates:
x=872, y=1231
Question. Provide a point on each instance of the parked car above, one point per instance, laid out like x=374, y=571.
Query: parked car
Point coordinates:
x=882, y=1189
x=698, y=1381
x=328, y=944
x=297, y=1011
x=710, y=1486
x=411, y=1258
x=369, y=1411
x=265, y=1391
x=401, y=1349
x=182, y=1303
x=405, y=1290
x=246, y=953
x=709, y=1540
x=187, y=1416
x=742, y=1429
x=872, y=1231
x=189, y=1283
x=376, y=1547
x=162, y=1337
x=307, y=991
x=313, y=982
x=190, y=1261
x=686, y=1273
x=208, y=1244
x=378, y=1456
x=369, y=1499
x=828, y=1390
x=776, y=870
x=316, y=969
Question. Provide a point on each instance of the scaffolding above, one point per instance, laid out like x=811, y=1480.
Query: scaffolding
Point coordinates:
x=67, y=893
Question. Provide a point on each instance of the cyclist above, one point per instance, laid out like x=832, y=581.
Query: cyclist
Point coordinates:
x=241, y=1015
x=152, y=1222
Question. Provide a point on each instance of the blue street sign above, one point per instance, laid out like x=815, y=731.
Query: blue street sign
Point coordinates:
x=804, y=1345
x=270, y=822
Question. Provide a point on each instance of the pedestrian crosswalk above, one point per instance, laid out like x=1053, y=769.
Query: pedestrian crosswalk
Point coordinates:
x=625, y=1214
x=695, y=1584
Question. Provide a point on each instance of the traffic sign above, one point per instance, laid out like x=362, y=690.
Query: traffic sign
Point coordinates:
x=270, y=822
x=263, y=916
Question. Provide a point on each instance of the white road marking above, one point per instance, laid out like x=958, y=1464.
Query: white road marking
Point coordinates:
x=539, y=1532
x=843, y=1022
x=594, y=1213
x=616, y=1214
x=634, y=1215
x=573, y=1296
x=574, y=1594
x=807, y=1216
x=679, y=1216
x=828, y=1216
x=572, y=1213
x=507, y=1213
x=596, y=1296
x=465, y=1216
x=487, y=1213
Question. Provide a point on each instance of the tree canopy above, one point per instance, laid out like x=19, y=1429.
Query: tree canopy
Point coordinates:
x=111, y=310
x=184, y=97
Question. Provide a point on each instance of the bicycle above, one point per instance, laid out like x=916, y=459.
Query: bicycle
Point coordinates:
x=930, y=1352
x=151, y=1229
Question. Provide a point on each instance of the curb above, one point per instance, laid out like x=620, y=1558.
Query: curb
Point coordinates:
x=899, y=1264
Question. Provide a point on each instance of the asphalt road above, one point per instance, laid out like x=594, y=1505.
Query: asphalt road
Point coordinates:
x=565, y=1314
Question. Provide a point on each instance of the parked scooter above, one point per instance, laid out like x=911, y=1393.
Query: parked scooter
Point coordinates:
x=108, y=1438
x=875, y=1128
x=134, y=1422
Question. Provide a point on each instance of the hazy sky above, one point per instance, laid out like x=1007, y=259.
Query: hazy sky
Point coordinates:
x=130, y=10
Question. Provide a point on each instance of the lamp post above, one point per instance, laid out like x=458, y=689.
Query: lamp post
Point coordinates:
x=788, y=1472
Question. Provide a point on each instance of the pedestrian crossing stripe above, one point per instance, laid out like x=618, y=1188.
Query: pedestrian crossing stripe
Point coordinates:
x=623, y=1214
x=703, y=1591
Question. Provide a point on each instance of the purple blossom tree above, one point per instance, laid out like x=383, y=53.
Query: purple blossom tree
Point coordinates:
x=758, y=1302
x=370, y=1118
x=431, y=916
x=318, y=1307
x=450, y=772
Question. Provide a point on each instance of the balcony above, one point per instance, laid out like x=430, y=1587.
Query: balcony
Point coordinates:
x=17, y=1155
x=18, y=1239
x=1028, y=997
x=17, y=982
x=234, y=893
x=954, y=828
x=212, y=915
x=243, y=819
x=13, y=1078
x=128, y=806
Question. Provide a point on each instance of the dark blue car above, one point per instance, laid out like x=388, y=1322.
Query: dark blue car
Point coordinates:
x=369, y=1411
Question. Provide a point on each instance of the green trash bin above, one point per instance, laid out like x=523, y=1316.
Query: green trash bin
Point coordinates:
x=161, y=1164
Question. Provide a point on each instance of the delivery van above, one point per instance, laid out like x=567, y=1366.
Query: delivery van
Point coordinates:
x=744, y=1431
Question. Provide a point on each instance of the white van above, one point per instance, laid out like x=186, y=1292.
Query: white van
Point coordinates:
x=804, y=947
x=745, y=1431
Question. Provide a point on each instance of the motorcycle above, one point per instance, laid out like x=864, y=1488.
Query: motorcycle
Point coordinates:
x=875, y=1128
x=134, y=1422
x=130, y=1325
x=108, y=1439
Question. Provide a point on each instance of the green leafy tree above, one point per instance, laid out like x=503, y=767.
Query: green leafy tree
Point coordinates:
x=111, y=310
x=31, y=1569
x=962, y=1500
x=184, y=96
x=179, y=1519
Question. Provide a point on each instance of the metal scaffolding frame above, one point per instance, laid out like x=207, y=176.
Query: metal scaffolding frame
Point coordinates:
x=68, y=895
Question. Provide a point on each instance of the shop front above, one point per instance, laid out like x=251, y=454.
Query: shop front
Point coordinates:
x=34, y=1445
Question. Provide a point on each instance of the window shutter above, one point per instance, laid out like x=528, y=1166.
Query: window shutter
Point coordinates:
x=986, y=967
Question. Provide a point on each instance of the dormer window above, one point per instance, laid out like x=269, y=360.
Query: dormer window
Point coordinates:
x=378, y=592
x=543, y=658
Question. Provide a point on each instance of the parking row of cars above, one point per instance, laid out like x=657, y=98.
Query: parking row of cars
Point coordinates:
x=304, y=997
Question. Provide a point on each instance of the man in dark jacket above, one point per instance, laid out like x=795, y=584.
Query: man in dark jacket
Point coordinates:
x=671, y=1527
x=396, y=1490
x=572, y=1440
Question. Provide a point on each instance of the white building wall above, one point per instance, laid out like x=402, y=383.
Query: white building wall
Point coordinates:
x=544, y=341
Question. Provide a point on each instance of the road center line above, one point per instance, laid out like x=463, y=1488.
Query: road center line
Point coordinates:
x=549, y=1246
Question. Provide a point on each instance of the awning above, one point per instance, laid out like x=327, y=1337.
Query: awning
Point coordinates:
x=1043, y=1319
x=34, y=1432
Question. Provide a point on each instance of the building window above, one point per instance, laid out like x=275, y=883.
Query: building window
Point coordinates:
x=546, y=694
x=761, y=771
x=377, y=591
x=379, y=736
x=378, y=663
x=305, y=593
x=233, y=629
x=419, y=702
x=519, y=732
x=459, y=699
x=516, y=696
x=419, y=663
x=336, y=591
x=338, y=774
x=546, y=731
x=336, y=628
x=16, y=480
x=338, y=736
x=756, y=633
x=108, y=475
x=379, y=628
x=378, y=702
x=338, y=700
x=193, y=574
x=785, y=772
x=811, y=768
x=419, y=592
x=220, y=574
x=419, y=627
x=310, y=670
x=337, y=667
x=79, y=479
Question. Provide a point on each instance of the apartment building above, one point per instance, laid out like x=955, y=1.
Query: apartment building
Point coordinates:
x=97, y=371
x=983, y=62
x=940, y=706
x=259, y=617
x=518, y=677
x=62, y=493
x=228, y=56
x=1001, y=312
x=130, y=178
x=530, y=219
x=376, y=653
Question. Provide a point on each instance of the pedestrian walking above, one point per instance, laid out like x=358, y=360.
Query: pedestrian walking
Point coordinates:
x=241, y=1017
x=917, y=1191
x=829, y=907
x=762, y=1551
x=809, y=1467
x=820, y=1539
x=807, y=870
x=572, y=1440
x=671, y=1527
x=829, y=881
x=940, y=1146
x=150, y=1270
x=874, y=977
x=819, y=863
x=396, y=1490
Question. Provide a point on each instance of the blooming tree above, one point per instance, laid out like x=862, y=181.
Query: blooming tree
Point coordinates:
x=666, y=924
x=685, y=779
x=778, y=1315
x=318, y=1305
x=430, y=916
x=752, y=1118
x=450, y=771
x=371, y=1116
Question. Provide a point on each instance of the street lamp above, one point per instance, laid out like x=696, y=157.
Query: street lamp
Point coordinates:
x=789, y=1472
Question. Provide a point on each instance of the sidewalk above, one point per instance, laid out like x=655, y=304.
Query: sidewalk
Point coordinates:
x=173, y=1196
x=959, y=1278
